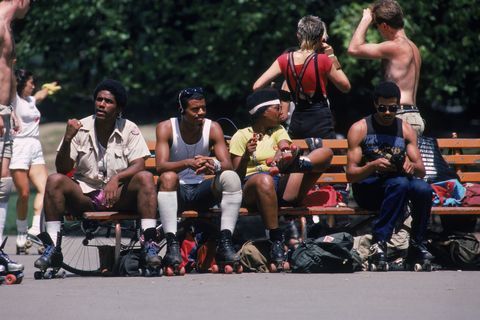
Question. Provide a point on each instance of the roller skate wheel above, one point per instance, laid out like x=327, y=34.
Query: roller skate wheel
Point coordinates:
x=286, y=266
x=274, y=171
x=28, y=243
x=62, y=274
x=239, y=269
x=19, y=280
x=228, y=269
x=169, y=272
x=181, y=271
x=214, y=268
x=10, y=279
x=38, y=275
x=287, y=155
x=41, y=250
x=418, y=267
x=273, y=268
x=372, y=267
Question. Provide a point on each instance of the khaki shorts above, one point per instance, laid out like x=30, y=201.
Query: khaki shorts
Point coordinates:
x=415, y=120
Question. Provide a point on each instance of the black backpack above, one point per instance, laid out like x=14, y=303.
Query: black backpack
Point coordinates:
x=332, y=253
x=459, y=251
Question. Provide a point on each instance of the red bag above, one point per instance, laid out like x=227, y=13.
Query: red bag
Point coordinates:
x=472, y=196
x=324, y=196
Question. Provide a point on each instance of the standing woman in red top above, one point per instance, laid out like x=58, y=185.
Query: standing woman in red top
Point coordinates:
x=307, y=72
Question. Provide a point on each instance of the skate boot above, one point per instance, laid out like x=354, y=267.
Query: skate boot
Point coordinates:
x=22, y=243
x=153, y=261
x=314, y=143
x=377, y=259
x=172, y=261
x=11, y=271
x=418, y=258
x=32, y=239
x=278, y=257
x=227, y=260
x=51, y=260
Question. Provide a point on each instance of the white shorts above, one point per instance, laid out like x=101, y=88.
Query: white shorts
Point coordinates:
x=25, y=153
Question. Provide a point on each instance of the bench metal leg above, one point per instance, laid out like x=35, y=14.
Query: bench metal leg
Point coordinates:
x=118, y=241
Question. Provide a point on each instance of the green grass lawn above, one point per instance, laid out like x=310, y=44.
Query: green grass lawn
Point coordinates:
x=11, y=227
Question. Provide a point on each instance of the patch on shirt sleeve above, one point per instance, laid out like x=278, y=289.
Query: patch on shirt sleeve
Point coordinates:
x=135, y=131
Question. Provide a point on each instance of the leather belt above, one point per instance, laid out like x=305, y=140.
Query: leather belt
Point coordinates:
x=407, y=107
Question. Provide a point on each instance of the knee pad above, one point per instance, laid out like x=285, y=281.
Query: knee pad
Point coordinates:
x=6, y=185
x=228, y=181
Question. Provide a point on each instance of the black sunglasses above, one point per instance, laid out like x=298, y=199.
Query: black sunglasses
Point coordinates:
x=391, y=108
x=187, y=93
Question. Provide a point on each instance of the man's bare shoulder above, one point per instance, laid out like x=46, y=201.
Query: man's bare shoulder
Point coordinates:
x=164, y=129
x=357, y=131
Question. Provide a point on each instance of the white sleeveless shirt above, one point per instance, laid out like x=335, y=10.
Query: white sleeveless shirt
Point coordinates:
x=181, y=150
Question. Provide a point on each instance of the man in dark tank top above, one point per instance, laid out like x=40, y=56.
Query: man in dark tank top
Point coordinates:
x=385, y=167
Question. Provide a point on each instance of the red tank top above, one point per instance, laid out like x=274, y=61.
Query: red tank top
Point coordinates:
x=308, y=81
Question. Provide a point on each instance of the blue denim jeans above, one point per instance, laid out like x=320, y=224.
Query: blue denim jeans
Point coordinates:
x=389, y=196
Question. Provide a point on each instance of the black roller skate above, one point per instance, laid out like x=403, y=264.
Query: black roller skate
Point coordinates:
x=153, y=262
x=377, y=259
x=11, y=272
x=51, y=260
x=418, y=258
x=314, y=143
x=172, y=261
x=227, y=260
x=278, y=257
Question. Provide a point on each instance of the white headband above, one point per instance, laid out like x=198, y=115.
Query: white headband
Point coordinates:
x=267, y=103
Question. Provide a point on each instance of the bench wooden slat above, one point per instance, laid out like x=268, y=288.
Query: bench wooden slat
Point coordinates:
x=110, y=215
x=458, y=143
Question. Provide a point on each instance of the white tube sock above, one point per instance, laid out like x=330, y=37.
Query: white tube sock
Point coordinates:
x=36, y=222
x=53, y=228
x=22, y=226
x=3, y=218
x=148, y=223
x=230, y=205
x=167, y=208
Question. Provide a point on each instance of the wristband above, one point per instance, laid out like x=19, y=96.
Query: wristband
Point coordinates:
x=217, y=166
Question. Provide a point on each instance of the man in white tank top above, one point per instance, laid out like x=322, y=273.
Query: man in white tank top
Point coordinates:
x=182, y=159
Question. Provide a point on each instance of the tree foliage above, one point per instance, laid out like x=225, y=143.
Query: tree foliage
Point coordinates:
x=158, y=47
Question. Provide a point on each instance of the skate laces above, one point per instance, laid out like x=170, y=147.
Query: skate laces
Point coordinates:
x=375, y=248
x=152, y=248
x=48, y=251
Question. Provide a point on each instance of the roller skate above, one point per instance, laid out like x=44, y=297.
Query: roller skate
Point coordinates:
x=153, y=262
x=278, y=256
x=377, y=259
x=314, y=143
x=172, y=260
x=282, y=159
x=227, y=260
x=51, y=260
x=11, y=272
x=418, y=258
x=32, y=239
x=22, y=243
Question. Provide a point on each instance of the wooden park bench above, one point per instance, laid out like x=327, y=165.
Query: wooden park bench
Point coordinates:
x=462, y=154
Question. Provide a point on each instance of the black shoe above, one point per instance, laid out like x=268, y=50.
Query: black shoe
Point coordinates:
x=172, y=257
x=52, y=257
x=225, y=250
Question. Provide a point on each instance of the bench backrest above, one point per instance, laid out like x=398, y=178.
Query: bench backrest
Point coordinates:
x=462, y=154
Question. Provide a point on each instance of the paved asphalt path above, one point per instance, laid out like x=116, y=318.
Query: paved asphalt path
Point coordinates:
x=362, y=295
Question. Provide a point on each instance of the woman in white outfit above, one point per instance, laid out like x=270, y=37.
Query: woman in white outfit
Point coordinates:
x=27, y=163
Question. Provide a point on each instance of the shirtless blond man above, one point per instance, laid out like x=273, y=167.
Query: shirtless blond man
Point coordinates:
x=400, y=57
x=10, y=10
